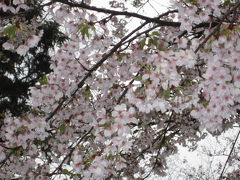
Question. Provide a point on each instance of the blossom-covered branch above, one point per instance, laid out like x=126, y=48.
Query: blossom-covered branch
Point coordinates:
x=116, y=103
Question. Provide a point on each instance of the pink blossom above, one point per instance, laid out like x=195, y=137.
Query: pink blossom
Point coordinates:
x=22, y=50
x=33, y=41
x=60, y=13
x=16, y=2
x=8, y=46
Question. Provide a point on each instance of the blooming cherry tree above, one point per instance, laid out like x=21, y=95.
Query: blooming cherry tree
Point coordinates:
x=114, y=101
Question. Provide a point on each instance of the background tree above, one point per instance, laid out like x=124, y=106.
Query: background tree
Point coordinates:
x=18, y=73
x=208, y=159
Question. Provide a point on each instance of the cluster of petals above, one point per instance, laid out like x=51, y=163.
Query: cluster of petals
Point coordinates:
x=22, y=49
x=19, y=4
x=190, y=14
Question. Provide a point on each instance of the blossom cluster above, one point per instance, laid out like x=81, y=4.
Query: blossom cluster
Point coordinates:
x=18, y=32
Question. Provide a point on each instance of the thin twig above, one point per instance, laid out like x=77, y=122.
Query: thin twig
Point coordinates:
x=153, y=7
x=8, y=156
x=161, y=142
x=127, y=87
x=229, y=155
x=71, y=151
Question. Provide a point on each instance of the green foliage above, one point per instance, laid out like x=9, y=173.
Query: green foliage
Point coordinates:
x=62, y=128
x=228, y=2
x=10, y=31
x=143, y=42
x=167, y=94
x=106, y=125
x=237, y=28
x=138, y=78
x=155, y=33
x=65, y=171
x=84, y=29
x=18, y=151
x=192, y=1
x=43, y=80
x=88, y=94
x=153, y=39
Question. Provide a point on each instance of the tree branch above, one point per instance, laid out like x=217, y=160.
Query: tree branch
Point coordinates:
x=124, y=13
x=229, y=155
x=71, y=151
x=94, y=68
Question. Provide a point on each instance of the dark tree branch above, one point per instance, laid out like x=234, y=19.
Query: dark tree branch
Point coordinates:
x=126, y=88
x=124, y=13
x=136, y=15
x=94, y=68
x=71, y=151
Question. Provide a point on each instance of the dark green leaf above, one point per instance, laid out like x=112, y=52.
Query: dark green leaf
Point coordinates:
x=10, y=31
x=62, y=128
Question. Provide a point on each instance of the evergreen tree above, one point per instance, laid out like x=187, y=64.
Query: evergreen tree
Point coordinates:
x=18, y=73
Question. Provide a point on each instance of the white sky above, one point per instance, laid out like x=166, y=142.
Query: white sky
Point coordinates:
x=152, y=9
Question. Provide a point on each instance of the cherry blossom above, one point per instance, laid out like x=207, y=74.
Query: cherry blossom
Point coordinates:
x=8, y=46
x=33, y=40
x=112, y=101
x=22, y=50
